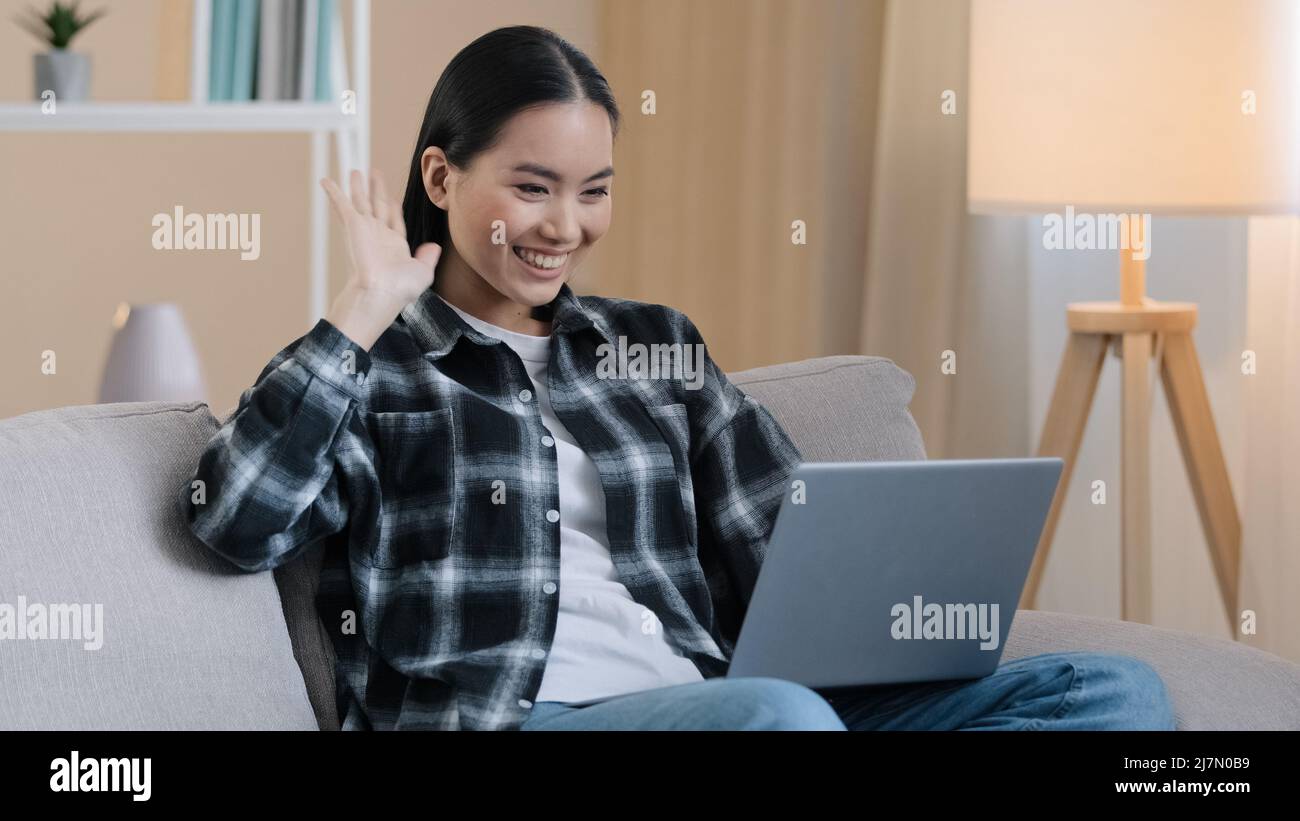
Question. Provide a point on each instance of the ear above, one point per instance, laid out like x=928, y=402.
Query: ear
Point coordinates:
x=434, y=170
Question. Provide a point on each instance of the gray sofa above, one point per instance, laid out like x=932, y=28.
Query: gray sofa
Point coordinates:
x=186, y=641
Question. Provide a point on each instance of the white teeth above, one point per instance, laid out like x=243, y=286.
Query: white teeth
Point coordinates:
x=538, y=260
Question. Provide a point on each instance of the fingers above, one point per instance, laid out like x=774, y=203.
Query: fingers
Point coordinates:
x=375, y=204
x=360, y=201
x=398, y=220
x=337, y=199
x=428, y=253
x=379, y=198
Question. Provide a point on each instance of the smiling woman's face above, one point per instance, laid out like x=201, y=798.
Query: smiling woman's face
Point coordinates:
x=549, y=181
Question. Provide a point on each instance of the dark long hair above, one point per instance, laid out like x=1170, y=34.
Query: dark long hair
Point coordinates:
x=484, y=85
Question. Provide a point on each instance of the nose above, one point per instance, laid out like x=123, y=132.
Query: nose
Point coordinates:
x=560, y=225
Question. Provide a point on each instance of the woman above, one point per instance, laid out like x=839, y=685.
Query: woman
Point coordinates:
x=509, y=525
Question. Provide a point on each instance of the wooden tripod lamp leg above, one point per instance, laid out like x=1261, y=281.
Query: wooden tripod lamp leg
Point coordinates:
x=1194, y=424
x=1067, y=416
x=1135, y=456
x=1133, y=321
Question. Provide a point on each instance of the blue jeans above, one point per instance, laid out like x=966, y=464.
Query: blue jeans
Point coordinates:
x=1053, y=691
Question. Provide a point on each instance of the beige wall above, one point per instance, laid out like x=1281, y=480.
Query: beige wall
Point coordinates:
x=75, y=216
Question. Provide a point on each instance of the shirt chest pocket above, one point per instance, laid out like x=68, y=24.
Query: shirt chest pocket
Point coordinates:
x=417, y=460
x=674, y=426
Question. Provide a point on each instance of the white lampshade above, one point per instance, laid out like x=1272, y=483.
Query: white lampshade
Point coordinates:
x=1134, y=106
x=151, y=358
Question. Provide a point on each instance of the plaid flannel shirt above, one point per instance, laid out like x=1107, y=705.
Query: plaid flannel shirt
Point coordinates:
x=422, y=465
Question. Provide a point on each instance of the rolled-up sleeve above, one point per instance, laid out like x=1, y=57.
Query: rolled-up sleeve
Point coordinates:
x=268, y=484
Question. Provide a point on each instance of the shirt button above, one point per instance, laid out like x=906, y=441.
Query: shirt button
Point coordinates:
x=525, y=395
x=548, y=441
x=552, y=515
x=525, y=703
x=549, y=587
x=539, y=653
x=361, y=379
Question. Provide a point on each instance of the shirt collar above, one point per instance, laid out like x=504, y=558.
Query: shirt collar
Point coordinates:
x=436, y=327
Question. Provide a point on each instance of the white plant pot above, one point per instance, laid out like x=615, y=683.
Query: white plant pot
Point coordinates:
x=64, y=72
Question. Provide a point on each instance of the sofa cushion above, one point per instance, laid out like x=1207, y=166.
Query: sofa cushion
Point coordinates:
x=91, y=516
x=840, y=408
x=1214, y=684
x=298, y=581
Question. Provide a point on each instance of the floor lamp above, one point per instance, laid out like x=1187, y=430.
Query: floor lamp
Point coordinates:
x=1109, y=107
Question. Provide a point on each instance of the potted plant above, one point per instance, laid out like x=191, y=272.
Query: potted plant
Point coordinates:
x=64, y=72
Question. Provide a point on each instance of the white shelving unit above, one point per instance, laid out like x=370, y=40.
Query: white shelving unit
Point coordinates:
x=351, y=134
x=176, y=116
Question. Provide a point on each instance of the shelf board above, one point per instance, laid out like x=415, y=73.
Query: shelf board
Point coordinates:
x=176, y=116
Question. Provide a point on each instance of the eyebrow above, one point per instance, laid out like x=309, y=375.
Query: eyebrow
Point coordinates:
x=543, y=171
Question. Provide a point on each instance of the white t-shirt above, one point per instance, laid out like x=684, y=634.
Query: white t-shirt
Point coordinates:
x=601, y=647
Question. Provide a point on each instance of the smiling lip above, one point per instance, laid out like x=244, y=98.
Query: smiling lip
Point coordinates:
x=541, y=273
x=547, y=252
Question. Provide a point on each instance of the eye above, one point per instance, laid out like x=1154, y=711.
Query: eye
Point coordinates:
x=533, y=188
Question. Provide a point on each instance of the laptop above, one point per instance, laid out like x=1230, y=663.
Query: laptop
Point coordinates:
x=893, y=572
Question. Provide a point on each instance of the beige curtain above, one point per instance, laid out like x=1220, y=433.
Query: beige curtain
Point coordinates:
x=1270, y=518
x=937, y=279
x=825, y=111
x=764, y=115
